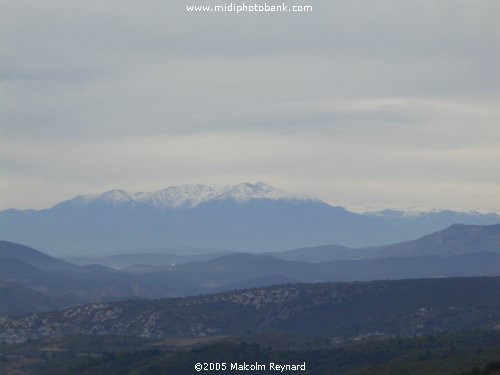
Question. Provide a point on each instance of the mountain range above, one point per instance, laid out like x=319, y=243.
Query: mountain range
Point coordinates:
x=454, y=240
x=458, y=251
x=244, y=217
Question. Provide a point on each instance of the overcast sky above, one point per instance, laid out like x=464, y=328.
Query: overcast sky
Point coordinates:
x=384, y=103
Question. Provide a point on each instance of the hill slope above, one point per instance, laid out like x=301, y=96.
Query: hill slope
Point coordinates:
x=68, y=284
x=28, y=255
x=454, y=240
x=404, y=308
x=18, y=300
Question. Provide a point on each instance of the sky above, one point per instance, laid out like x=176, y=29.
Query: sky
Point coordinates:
x=379, y=103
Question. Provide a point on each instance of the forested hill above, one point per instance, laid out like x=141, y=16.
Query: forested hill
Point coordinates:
x=344, y=310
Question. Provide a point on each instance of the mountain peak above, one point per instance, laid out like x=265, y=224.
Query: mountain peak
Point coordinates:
x=186, y=196
x=247, y=191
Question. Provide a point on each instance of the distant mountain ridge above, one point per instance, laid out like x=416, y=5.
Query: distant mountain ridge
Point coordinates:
x=244, y=217
x=183, y=196
x=454, y=240
x=458, y=251
x=229, y=271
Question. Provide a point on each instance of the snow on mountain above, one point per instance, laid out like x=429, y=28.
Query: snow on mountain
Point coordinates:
x=420, y=211
x=245, y=192
x=178, y=196
x=187, y=196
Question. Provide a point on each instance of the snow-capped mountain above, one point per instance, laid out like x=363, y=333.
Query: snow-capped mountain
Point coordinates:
x=421, y=211
x=245, y=217
x=186, y=196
